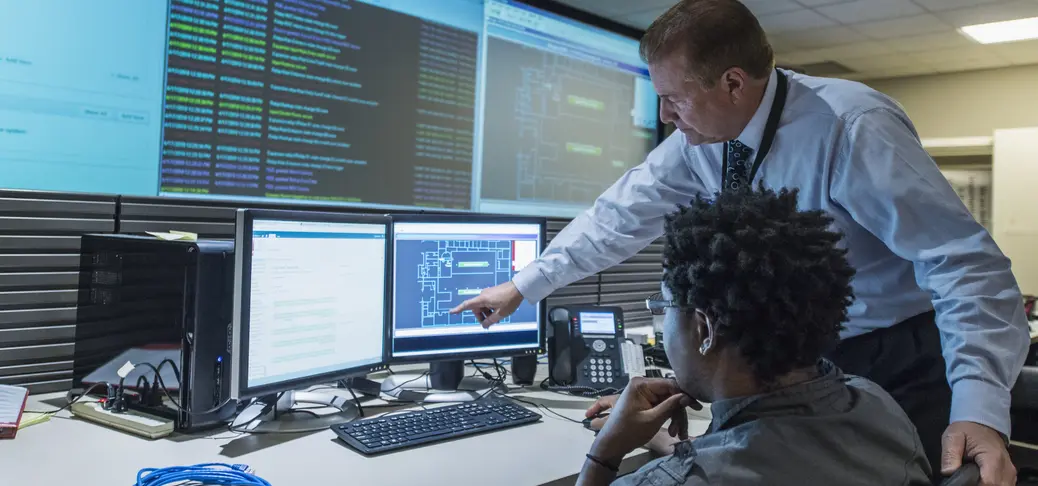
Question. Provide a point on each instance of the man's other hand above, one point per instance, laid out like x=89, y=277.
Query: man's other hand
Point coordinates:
x=981, y=444
x=602, y=405
x=644, y=406
x=493, y=304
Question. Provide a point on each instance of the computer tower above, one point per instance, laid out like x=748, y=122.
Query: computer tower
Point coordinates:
x=142, y=296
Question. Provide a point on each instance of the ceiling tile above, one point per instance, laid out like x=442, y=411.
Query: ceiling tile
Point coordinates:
x=768, y=7
x=818, y=38
x=902, y=27
x=990, y=13
x=780, y=44
x=939, y=40
x=796, y=20
x=902, y=71
x=877, y=63
x=938, y=5
x=800, y=57
x=868, y=10
x=858, y=49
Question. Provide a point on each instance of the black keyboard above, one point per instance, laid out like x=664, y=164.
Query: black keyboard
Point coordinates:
x=383, y=434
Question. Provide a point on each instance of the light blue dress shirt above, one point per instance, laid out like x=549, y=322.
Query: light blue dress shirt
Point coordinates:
x=853, y=153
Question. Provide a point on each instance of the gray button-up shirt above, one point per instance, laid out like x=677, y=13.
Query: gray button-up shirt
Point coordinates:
x=835, y=429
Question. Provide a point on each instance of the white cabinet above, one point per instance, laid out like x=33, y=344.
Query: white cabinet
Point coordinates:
x=1015, y=201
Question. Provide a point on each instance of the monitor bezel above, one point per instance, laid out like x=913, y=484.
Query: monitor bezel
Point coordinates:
x=541, y=306
x=245, y=219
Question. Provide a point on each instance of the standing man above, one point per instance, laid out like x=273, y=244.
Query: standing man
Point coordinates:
x=921, y=258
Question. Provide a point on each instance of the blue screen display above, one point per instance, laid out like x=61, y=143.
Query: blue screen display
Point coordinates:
x=440, y=265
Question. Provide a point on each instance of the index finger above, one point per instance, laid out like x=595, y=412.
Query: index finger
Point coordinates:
x=663, y=388
x=469, y=305
x=600, y=405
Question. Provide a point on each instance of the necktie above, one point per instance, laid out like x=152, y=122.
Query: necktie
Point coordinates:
x=739, y=165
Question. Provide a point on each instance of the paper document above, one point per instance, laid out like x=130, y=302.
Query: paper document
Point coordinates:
x=12, y=400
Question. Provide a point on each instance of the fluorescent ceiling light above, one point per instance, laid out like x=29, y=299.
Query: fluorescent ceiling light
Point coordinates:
x=1007, y=31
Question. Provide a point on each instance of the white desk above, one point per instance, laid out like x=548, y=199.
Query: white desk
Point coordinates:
x=69, y=450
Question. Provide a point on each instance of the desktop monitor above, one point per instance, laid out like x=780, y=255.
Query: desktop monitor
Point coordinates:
x=439, y=262
x=310, y=300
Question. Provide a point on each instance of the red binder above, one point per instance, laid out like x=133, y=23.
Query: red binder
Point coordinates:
x=12, y=404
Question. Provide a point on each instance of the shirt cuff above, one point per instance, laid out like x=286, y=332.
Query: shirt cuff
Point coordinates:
x=981, y=402
x=532, y=283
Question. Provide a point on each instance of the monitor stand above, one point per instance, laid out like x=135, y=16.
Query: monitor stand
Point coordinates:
x=445, y=382
x=275, y=413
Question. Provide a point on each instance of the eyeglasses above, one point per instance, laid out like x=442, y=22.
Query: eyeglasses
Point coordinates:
x=658, y=307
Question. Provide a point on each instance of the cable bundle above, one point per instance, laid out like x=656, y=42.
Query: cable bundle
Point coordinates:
x=203, y=474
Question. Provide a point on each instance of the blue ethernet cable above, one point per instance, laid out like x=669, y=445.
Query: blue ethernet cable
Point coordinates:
x=214, y=474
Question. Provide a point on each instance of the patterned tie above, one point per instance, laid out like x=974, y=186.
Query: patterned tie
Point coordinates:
x=739, y=165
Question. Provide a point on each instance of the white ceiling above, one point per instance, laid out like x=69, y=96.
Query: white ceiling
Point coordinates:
x=875, y=38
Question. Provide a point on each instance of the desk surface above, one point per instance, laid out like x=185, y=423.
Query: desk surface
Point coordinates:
x=549, y=452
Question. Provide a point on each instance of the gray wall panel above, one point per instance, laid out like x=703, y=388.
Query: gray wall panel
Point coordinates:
x=644, y=288
x=574, y=289
x=203, y=229
x=37, y=298
x=553, y=301
x=62, y=205
x=15, y=262
x=37, y=317
x=39, y=386
x=39, y=243
x=36, y=353
x=633, y=277
x=53, y=366
x=39, y=264
x=37, y=335
x=38, y=280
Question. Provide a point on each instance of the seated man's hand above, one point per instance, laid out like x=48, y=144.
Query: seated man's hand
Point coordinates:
x=661, y=444
x=603, y=404
x=638, y=414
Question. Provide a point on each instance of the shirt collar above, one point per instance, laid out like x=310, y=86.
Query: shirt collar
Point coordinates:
x=803, y=396
x=753, y=134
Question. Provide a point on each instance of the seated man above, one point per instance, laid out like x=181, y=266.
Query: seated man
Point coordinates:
x=755, y=292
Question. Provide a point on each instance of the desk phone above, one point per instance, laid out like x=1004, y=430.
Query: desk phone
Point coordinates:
x=586, y=349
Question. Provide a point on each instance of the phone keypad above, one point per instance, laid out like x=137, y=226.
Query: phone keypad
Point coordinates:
x=601, y=370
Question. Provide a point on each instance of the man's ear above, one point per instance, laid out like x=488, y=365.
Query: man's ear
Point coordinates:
x=734, y=81
x=705, y=331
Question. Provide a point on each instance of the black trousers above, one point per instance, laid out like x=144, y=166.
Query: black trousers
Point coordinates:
x=905, y=359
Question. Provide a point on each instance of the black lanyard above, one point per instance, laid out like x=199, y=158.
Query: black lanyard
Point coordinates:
x=769, y=131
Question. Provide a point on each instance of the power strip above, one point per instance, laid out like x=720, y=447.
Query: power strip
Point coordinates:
x=133, y=422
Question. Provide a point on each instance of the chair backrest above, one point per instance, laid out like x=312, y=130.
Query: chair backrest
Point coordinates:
x=967, y=475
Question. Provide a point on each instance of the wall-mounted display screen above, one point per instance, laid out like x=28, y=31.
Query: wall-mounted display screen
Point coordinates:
x=465, y=105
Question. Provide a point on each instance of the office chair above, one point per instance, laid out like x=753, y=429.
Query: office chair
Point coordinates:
x=1024, y=416
x=967, y=475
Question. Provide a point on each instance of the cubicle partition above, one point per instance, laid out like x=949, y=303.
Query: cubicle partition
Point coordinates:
x=39, y=264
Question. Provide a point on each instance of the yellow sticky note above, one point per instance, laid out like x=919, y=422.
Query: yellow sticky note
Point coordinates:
x=32, y=418
x=174, y=235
